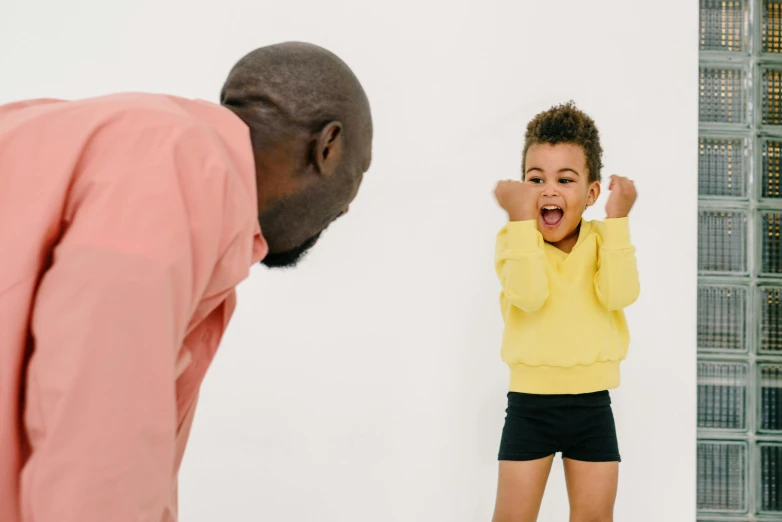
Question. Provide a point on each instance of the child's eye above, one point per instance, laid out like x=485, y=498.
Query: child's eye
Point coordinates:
x=535, y=180
x=566, y=181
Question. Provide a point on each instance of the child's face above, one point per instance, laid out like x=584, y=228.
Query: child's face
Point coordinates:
x=564, y=190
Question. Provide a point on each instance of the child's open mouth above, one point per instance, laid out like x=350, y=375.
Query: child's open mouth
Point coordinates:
x=552, y=216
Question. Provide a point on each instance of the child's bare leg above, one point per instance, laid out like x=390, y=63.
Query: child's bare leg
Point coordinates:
x=591, y=488
x=520, y=489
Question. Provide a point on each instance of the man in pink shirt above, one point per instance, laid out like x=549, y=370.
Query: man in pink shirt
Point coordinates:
x=126, y=222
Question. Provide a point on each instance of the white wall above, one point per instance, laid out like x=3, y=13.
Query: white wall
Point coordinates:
x=367, y=384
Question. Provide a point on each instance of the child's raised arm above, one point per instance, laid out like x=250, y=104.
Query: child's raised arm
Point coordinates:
x=520, y=265
x=519, y=257
x=616, y=282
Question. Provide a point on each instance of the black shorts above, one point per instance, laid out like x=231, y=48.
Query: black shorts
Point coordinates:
x=581, y=427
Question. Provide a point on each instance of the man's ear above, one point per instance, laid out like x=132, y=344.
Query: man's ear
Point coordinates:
x=329, y=147
x=594, y=193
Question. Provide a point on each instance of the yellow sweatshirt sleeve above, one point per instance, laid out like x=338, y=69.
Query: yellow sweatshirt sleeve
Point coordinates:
x=616, y=282
x=520, y=265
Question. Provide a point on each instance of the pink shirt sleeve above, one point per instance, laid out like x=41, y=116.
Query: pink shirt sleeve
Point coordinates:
x=108, y=321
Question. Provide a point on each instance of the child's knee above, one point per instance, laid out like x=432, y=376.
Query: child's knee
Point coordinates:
x=592, y=517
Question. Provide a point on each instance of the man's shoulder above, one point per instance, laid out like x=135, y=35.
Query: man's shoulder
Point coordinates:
x=142, y=109
x=115, y=121
x=143, y=127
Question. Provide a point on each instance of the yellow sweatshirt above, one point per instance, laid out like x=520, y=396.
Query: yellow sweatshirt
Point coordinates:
x=565, y=331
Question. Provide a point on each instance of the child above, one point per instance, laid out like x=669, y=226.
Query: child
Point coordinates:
x=565, y=282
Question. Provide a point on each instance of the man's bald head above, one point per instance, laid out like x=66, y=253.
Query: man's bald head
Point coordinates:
x=284, y=88
x=311, y=132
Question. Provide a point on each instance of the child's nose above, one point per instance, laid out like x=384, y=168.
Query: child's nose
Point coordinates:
x=550, y=190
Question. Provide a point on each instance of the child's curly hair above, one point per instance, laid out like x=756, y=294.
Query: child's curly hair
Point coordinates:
x=566, y=124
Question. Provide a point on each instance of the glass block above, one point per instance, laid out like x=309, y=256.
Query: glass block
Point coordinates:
x=771, y=83
x=722, y=167
x=723, y=94
x=722, y=317
x=722, y=395
x=732, y=519
x=771, y=398
x=723, y=25
x=771, y=27
x=722, y=241
x=722, y=476
x=770, y=338
x=772, y=168
x=770, y=478
x=771, y=257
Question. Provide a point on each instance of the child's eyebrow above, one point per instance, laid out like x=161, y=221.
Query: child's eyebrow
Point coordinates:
x=560, y=171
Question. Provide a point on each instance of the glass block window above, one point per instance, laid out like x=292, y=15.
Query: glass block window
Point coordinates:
x=722, y=392
x=722, y=476
x=770, y=312
x=771, y=398
x=723, y=25
x=771, y=259
x=722, y=321
x=771, y=479
x=722, y=240
x=771, y=169
x=771, y=97
x=722, y=164
x=771, y=27
x=723, y=94
x=739, y=341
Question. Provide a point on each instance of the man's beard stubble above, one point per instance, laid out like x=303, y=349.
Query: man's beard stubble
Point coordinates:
x=290, y=258
x=282, y=215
